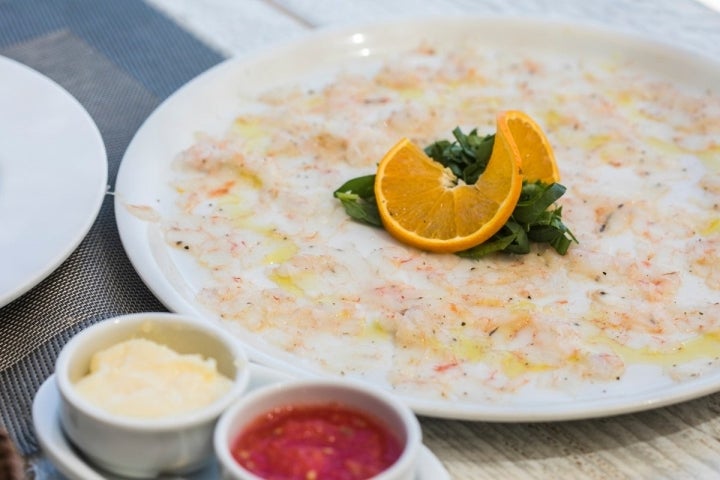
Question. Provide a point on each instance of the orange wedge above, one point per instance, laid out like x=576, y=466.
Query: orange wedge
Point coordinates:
x=422, y=204
x=537, y=157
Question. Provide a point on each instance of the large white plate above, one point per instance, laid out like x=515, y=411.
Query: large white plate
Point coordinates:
x=208, y=103
x=73, y=465
x=53, y=177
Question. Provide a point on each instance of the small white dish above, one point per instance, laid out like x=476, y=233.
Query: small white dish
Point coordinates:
x=378, y=405
x=71, y=464
x=53, y=176
x=161, y=443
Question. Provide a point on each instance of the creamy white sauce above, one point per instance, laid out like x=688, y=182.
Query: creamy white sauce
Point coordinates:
x=143, y=379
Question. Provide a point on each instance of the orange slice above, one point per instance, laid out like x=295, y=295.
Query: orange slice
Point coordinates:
x=422, y=204
x=538, y=159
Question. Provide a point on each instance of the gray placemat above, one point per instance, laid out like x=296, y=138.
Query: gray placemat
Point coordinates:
x=120, y=59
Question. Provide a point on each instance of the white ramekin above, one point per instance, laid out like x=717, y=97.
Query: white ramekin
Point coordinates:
x=144, y=448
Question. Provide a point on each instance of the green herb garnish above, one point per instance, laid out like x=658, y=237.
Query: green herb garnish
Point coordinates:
x=466, y=157
x=536, y=217
x=358, y=199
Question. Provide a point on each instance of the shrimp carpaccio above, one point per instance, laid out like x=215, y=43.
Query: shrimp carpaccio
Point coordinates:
x=290, y=273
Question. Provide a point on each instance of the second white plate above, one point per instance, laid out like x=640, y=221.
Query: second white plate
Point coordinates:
x=53, y=177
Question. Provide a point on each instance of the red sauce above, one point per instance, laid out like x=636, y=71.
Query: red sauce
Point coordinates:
x=324, y=442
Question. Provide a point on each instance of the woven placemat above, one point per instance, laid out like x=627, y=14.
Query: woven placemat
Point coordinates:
x=120, y=60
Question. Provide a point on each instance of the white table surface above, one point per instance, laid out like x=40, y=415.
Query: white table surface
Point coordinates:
x=681, y=441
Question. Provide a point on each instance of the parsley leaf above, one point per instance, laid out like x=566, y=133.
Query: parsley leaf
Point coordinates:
x=358, y=198
x=466, y=157
x=535, y=219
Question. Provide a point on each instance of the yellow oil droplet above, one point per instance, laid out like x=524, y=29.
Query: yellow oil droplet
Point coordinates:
x=314, y=101
x=287, y=283
x=248, y=127
x=250, y=179
x=712, y=227
x=470, y=350
x=252, y=131
x=709, y=155
x=590, y=77
x=283, y=252
x=515, y=364
x=228, y=199
x=233, y=207
x=706, y=345
x=711, y=158
x=374, y=329
x=522, y=305
x=411, y=93
x=596, y=141
x=553, y=119
x=613, y=153
x=624, y=97
x=665, y=147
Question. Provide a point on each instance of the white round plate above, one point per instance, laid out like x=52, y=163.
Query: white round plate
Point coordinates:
x=70, y=463
x=209, y=103
x=53, y=177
